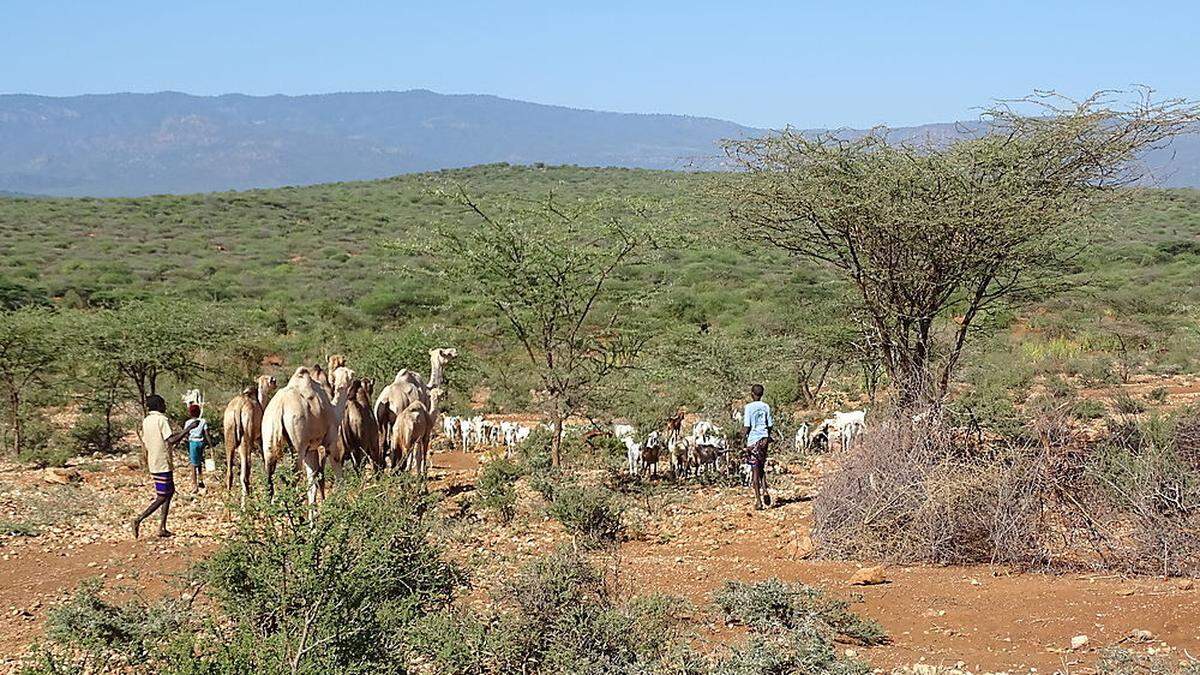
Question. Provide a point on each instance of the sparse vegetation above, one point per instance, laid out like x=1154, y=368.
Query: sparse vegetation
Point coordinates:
x=591, y=513
x=495, y=487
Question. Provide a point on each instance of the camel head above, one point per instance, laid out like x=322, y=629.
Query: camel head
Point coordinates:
x=266, y=384
x=438, y=358
x=442, y=355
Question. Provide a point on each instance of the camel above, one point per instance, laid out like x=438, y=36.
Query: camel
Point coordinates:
x=411, y=433
x=404, y=390
x=267, y=384
x=301, y=416
x=242, y=425
x=406, y=394
x=438, y=359
x=360, y=431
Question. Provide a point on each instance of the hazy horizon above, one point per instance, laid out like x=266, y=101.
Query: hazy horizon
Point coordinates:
x=758, y=65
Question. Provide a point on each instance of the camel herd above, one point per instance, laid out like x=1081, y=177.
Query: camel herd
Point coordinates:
x=326, y=417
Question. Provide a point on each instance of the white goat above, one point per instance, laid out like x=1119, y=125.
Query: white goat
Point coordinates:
x=633, y=454
x=801, y=440
x=192, y=397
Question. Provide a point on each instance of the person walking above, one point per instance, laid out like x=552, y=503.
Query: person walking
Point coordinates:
x=198, y=441
x=158, y=440
x=756, y=436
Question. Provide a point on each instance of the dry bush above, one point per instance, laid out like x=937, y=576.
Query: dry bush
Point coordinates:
x=1139, y=496
x=920, y=492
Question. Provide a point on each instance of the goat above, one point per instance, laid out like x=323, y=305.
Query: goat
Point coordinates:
x=680, y=456
x=801, y=439
x=633, y=455
x=651, y=450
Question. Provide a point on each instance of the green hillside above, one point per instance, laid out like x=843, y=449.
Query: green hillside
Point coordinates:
x=319, y=263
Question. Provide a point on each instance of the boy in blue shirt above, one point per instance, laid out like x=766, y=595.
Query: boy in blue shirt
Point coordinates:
x=756, y=436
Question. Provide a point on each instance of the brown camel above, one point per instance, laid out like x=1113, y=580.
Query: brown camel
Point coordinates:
x=360, y=431
x=242, y=425
x=301, y=417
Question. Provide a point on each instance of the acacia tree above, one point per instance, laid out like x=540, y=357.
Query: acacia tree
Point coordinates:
x=30, y=352
x=548, y=269
x=934, y=234
x=142, y=341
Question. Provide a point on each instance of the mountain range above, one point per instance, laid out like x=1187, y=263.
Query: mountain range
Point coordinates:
x=135, y=144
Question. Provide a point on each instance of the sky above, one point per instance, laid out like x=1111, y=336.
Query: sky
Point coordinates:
x=832, y=64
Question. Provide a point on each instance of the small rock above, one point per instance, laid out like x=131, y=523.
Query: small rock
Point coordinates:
x=1079, y=642
x=60, y=476
x=869, y=576
x=850, y=653
x=1185, y=584
x=1141, y=635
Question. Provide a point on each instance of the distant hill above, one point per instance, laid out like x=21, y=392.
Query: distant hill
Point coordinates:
x=136, y=144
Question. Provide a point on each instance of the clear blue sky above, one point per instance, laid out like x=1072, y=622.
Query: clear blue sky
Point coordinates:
x=766, y=64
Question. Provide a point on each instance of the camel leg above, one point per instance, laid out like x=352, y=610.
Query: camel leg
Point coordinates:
x=230, y=448
x=312, y=470
x=245, y=474
x=270, y=461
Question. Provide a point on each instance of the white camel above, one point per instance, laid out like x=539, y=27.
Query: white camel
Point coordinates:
x=301, y=416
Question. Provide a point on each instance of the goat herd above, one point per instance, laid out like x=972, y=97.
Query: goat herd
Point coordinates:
x=706, y=447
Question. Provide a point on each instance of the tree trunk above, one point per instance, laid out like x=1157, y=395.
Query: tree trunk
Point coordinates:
x=14, y=400
x=556, y=442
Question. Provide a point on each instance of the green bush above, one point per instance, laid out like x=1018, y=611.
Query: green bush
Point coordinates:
x=496, y=490
x=91, y=634
x=42, y=447
x=798, y=650
x=1088, y=409
x=1128, y=405
x=291, y=591
x=91, y=434
x=592, y=514
x=557, y=615
x=773, y=604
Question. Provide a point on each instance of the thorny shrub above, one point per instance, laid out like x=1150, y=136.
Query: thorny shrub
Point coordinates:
x=496, y=489
x=918, y=491
x=591, y=513
x=1139, y=493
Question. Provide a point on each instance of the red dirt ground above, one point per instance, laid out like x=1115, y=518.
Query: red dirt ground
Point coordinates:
x=687, y=545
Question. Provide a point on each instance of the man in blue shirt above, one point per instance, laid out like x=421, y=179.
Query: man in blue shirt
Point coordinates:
x=756, y=436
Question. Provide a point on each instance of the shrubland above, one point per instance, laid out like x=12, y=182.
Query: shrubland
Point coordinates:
x=302, y=272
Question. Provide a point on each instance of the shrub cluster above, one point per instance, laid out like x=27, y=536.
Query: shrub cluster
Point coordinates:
x=920, y=492
x=495, y=489
x=591, y=513
x=775, y=605
x=290, y=592
x=1140, y=492
x=558, y=615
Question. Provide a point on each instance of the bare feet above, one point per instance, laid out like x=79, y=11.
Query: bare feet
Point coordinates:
x=163, y=534
x=136, y=526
